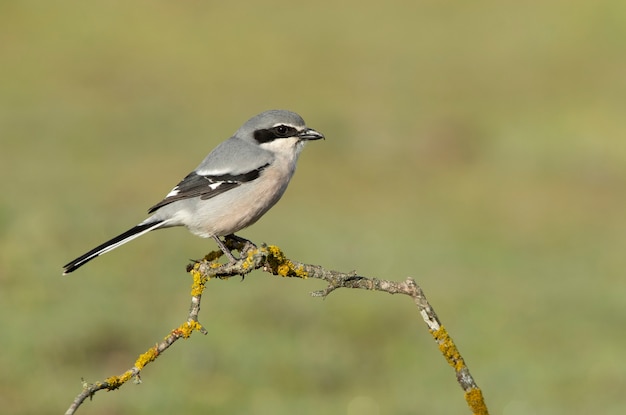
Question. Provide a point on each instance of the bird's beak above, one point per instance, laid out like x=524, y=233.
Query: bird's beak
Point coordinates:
x=310, y=134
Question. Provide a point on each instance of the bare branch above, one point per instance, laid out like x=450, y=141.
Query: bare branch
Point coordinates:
x=271, y=259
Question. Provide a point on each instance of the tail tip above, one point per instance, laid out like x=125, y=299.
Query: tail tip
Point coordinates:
x=71, y=267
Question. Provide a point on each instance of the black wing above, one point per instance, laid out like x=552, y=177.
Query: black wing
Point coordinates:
x=206, y=186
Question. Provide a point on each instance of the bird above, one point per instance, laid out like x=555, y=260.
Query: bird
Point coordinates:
x=235, y=184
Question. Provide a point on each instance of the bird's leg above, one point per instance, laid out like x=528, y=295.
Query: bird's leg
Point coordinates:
x=224, y=249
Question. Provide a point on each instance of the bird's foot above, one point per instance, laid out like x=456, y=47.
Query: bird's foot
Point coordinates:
x=233, y=241
x=240, y=244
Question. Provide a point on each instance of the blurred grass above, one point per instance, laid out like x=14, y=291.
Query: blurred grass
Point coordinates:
x=477, y=147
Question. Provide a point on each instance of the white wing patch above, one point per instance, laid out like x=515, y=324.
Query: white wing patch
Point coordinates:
x=214, y=185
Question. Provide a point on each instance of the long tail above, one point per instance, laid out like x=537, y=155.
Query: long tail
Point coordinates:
x=119, y=240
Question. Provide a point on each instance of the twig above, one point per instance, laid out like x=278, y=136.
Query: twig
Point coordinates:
x=271, y=259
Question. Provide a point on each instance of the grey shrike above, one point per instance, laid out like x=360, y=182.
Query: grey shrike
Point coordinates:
x=240, y=180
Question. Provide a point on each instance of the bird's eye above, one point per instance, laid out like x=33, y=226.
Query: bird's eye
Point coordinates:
x=282, y=130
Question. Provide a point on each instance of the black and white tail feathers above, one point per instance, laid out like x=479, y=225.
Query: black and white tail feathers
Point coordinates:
x=119, y=240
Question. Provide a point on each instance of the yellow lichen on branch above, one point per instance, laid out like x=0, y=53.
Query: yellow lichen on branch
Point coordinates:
x=448, y=348
x=281, y=265
x=147, y=357
x=187, y=328
x=115, y=382
x=199, y=280
x=473, y=395
x=249, y=261
x=476, y=402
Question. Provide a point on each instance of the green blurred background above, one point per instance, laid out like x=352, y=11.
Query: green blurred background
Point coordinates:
x=479, y=147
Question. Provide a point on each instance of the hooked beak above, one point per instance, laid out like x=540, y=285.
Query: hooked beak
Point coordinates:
x=310, y=134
